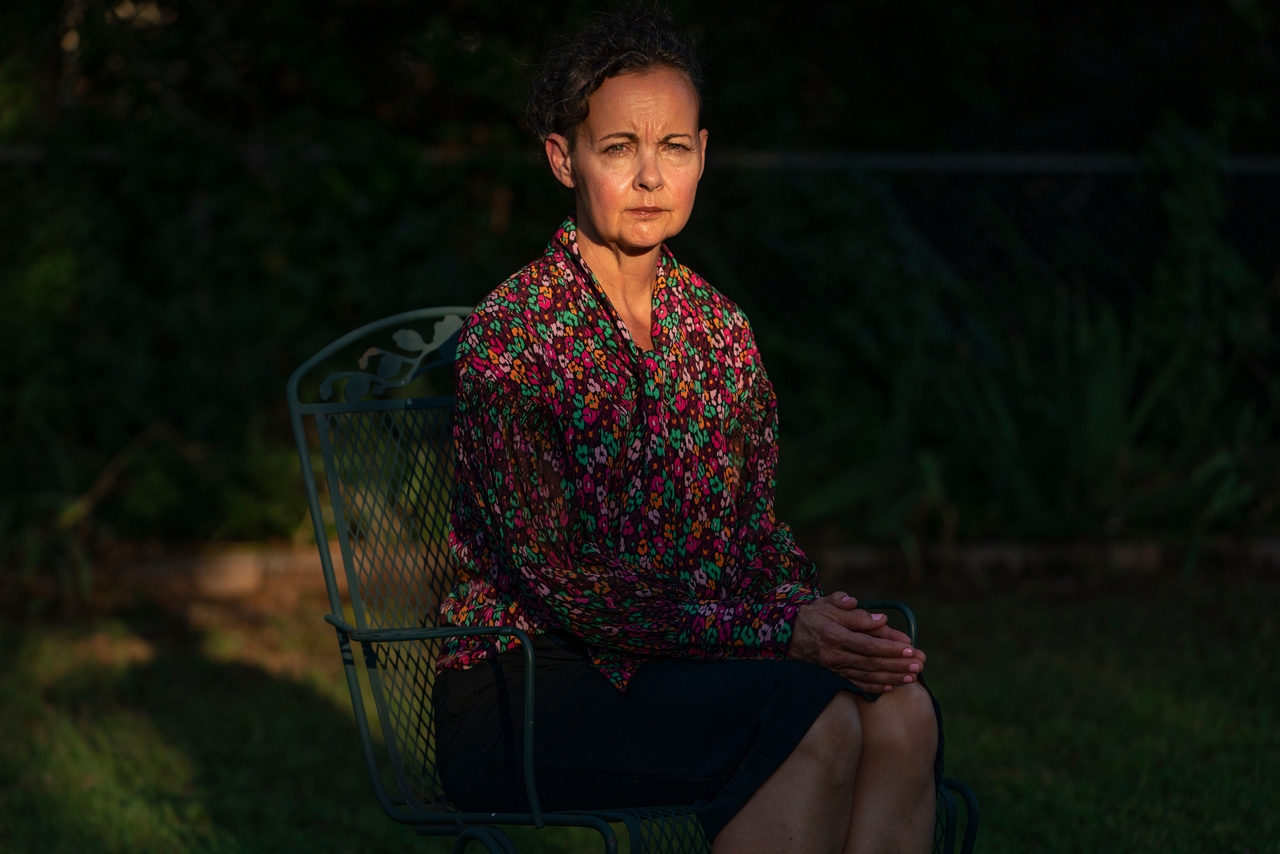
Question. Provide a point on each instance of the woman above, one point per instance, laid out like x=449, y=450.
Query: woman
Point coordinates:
x=616, y=438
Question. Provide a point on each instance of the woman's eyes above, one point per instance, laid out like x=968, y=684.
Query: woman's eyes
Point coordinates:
x=624, y=147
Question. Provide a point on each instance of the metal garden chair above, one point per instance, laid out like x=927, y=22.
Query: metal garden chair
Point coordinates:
x=386, y=454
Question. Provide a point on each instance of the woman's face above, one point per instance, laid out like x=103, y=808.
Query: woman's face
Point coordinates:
x=636, y=160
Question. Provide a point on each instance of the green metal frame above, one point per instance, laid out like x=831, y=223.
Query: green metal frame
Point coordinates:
x=651, y=829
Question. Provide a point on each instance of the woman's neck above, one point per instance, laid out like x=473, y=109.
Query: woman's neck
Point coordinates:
x=627, y=277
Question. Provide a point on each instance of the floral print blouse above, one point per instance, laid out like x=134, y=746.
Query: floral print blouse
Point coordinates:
x=621, y=495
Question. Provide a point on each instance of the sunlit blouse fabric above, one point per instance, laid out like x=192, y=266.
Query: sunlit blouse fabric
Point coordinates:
x=621, y=495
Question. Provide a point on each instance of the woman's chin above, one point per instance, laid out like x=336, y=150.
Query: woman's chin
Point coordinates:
x=645, y=235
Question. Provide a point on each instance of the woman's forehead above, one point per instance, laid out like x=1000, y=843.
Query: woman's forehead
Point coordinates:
x=662, y=99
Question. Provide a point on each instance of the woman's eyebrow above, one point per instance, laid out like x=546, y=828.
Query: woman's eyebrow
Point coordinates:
x=634, y=137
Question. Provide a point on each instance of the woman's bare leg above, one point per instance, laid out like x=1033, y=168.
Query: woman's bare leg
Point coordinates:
x=804, y=807
x=893, y=803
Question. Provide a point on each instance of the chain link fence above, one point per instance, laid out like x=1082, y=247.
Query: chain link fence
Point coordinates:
x=966, y=348
x=1010, y=346
x=1091, y=221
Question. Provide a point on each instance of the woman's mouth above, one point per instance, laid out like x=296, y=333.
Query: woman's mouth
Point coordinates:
x=647, y=212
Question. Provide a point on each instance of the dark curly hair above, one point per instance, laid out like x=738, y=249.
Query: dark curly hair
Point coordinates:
x=636, y=38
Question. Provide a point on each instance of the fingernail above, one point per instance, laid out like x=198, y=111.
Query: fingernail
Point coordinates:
x=847, y=599
x=908, y=679
x=915, y=668
x=877, y=617
x=888, y=687
x=908, y=651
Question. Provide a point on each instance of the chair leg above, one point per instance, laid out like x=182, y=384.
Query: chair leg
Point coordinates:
x=944, y=829
x=970, y=810
x=611, y=839
x=493, y=840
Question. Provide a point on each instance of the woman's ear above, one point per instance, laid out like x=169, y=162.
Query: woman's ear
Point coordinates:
x=560, y=157
x=702, y=140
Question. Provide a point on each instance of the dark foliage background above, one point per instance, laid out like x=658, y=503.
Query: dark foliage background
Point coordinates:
x=199, y=195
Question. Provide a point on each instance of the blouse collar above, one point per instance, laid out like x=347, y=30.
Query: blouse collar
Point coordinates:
x=566, y=239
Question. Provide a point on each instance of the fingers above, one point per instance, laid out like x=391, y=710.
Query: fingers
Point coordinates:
x=864, y=643
x=863, y=658
x=889, y=633
x=888, y=671
x=859, y=673
x=888, y=642
x=841, y=600
x=859, y=620
x=860, y=646
x=863, y=633
x=895, y=635
x=853, y=655
x=838, y=620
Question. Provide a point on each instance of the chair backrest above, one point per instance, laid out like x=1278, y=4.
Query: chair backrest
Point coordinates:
x=384, y=436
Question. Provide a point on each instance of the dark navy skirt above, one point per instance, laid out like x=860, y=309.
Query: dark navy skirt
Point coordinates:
x=706, y=733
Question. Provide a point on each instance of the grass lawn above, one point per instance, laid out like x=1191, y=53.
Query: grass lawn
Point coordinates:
x=1122, y=720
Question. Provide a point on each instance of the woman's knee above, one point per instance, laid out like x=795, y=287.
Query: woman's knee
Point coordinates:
x=904, y=723
x=833, y=742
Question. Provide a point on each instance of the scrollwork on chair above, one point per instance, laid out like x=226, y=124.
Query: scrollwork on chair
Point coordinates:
x=394, y=369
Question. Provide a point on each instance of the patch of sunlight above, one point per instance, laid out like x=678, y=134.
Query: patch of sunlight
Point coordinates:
x=296, y=655
x=82, y=770
x=54, y=654
x=224, y=647
x=77, y=783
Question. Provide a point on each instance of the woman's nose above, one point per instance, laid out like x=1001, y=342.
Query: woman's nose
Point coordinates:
x=649, y=175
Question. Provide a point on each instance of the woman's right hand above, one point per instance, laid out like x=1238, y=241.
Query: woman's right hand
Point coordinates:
x=860, y=646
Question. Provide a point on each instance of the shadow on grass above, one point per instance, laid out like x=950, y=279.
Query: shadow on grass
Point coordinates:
x=124, y=735
x=1123, y=720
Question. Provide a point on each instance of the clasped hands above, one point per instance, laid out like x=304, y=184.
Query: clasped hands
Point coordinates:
x=859, y=645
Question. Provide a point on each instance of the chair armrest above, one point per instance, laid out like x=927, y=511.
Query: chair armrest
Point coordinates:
x=366, y=636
